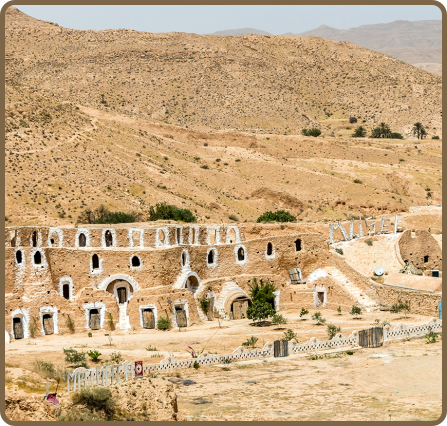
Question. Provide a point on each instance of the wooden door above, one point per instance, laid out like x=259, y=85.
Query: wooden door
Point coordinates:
x=237, y=310
x=18, y=328
x=371, y=338
x=94, y=319
x=181, y=318
x=122, y=295
x=244, y=306
x=148, y=318
x=48, y=325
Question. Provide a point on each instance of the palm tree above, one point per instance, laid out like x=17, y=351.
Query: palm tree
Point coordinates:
x=417, y=129
x=385, y=130
x=423, y=133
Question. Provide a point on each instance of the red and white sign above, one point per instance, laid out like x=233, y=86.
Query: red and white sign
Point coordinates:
x=138, y=368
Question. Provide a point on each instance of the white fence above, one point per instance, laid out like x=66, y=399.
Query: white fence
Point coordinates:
x=112, y=374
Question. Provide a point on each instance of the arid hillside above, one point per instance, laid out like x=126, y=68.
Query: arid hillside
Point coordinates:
x=261, y=83
x=186, y=131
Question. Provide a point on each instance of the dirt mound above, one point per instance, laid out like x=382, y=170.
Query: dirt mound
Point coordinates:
x=145, y=399
x=277, y=197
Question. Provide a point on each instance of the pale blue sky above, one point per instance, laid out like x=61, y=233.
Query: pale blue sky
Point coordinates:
x=208, y=19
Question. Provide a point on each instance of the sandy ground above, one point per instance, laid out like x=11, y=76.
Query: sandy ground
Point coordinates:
x=403, y=380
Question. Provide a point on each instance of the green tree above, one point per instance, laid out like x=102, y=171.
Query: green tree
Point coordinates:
x=355, y=311
x=417, y=129
x=401, y=306
x=332, y=330
x=385, y=130
x=360, y=132
x=303, y=312
x=163, y=211
x=278, y=319
x=318, y=318
x=262, y=297
x=279, y=216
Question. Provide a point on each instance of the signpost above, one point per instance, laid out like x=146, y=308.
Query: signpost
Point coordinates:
x=138, y=369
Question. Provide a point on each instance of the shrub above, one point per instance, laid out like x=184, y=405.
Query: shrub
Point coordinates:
x=94, y=355
x=233, y=217
x=353, y=120
x=95, y=399
x=430, y=338
x=303, y=312
x=311, y=132
x=196, y=365
x=369, y=241
x=163, y=211
x=116, y=357
x=339, y=251
x=357, y=181
x=205, y=304
x=360, y=132
x=332, y=330
x=349, y=352
x=90, y=334
x=110, y=321
x=339, y=310
x=279, y=216
x=163, y=323
x=401, y=306
x=290, y=334
x=72, y=356
x=435, y=137
x=395, y=135
x=278, y=319
x=204, y=166
x=102, y=215
x=150, y=348
x=318, y=318
x=251, y=342
x=355, y=311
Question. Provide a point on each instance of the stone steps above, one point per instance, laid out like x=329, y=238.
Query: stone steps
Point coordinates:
x=359, y=295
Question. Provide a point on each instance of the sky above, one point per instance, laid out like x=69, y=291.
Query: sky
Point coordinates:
x=208, y=19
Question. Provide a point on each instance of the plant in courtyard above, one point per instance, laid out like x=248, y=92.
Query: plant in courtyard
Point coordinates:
x=116, y=357
x=279, y=216
x=75, y=358
x=163, y=323
x=262, y=301
x=94, y=355
x=70, y=324
x=90, y=334
x=339, y=310
x=303, y=312
x=339, y=251
x=332, y=330
x=278, y=319
x=401, y=306
x=369, y=241
x=110, y=322
x=385, y=322
x=196, y=365
x=290, y=334
x=151, y=348
x=430, y=338
x=251, y=342
x=318, y=318
x=205, y=304
x=193, y=353
x=355, y=311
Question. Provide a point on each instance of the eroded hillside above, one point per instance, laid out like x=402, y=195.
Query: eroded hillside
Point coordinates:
x=66, y=150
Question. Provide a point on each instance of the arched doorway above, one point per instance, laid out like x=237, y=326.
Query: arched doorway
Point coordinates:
x=17, y=326
x=192, y=284
x=108, y=238
x=48, y=324
x=239, y=307
x=123, y=292
x=95, y=322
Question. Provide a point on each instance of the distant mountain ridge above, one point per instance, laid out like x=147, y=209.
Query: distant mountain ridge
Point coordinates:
x=240, y=31
x=416, y=42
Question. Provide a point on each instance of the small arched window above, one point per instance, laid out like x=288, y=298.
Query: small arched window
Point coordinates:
x=82, y=240
x=298, y=245
x=425, y=259
x=241, y=254
x=95, y=261
x=269, y=249
x=109, y=239
x=183, y=259
x=66, y=291
x=211, y=257
x=19, y=256
x=37, y=258
x=135, y=261
x=34, y=239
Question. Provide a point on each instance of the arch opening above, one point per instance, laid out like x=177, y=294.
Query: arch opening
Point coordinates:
x=241, y=254
x=17, y=327
x=109, y=238
x=135, y=261
x=192, y=284
x=19, y=256
x=95, y=261
x=82, y=240
x=66, y=291
x=269, y=249
x=37, y=258
x=48, y=324
x=210, y=257
x=34, y=239
x=298, y=245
